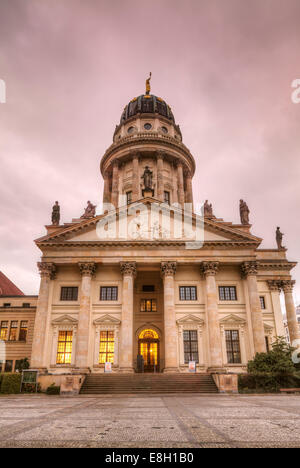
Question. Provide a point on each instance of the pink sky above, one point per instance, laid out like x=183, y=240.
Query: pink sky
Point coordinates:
x=70, y=66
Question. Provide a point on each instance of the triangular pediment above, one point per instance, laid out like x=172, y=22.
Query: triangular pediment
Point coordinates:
x=64, y=320
x=189, y=319
x=94, y=230
x=232, y=319
x=107, y=319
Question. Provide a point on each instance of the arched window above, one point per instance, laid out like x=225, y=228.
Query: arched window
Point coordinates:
x=148, y=334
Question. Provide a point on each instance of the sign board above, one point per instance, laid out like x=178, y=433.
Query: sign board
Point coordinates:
x=107, y=367
x=192, y=366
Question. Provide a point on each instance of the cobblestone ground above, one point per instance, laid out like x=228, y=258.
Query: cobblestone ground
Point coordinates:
x=158, y=421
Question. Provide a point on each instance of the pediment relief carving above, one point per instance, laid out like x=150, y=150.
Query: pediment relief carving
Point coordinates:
x=65, y=320
x=190, y=319
x=107, y=319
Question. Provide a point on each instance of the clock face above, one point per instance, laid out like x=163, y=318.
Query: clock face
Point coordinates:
x=147, y=126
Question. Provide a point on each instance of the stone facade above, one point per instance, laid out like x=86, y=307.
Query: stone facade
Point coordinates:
x=117, y=292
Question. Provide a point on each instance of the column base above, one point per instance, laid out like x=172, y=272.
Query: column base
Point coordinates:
x=171, y=370
x=216, y=370
x=126, y=370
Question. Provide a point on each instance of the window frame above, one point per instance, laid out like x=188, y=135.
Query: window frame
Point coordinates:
x=128, y=197
x=187, y=354
x=231, y=350
x=14, y=325
x=67, y=289
x=190, y=289
x=112, y=297
x=152, y=302
x=262, y=301
x=4, y=328
x=107, y=351
x=229, y=297
x=64, y=352
x=22, y=329
x=167, y=199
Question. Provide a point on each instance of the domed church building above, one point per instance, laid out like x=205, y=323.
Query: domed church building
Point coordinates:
x=145, y=283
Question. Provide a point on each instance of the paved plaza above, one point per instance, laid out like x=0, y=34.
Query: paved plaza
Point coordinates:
x=158, y=421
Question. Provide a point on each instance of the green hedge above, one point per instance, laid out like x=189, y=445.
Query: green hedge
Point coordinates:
x=10, y=383
x=53, y=390
x=267, y=382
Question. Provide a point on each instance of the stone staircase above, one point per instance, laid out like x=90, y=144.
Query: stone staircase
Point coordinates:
x=148, y=383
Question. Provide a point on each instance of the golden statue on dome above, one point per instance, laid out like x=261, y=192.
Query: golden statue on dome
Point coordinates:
x=148, y=84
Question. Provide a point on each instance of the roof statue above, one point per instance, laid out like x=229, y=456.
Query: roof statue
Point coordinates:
x=279, y=237
x=148, y=84
x=55, y=214
x=90, y=211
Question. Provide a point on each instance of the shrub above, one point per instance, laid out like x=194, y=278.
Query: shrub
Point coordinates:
x=53, y=390
x=278, y=360
x=23, y=364
x=31, y=388
x=261, y=382
x=10, y=383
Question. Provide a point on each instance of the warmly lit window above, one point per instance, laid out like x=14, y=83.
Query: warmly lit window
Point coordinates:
x=227, y=293
x=128, y=197
x=148, y=334
x=107, y=347
x=262, y=302
x=188, y=293
x=109, y=293
x=23, y=331
x=190, y=342
x=148, y=305
x=64, y=347
x=69, y=293
x=167, y=197
x=13, y=331
x=3, y=331
x=233, y=346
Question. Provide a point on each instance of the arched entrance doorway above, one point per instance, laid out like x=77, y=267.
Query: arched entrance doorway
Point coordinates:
x=149, y=349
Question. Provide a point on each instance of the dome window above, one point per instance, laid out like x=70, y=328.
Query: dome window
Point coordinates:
x=147, y=126
x=164, y=129
x=130, y=130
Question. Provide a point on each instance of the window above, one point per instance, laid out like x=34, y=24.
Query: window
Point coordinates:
x=69, y=293
x=8, y=366
x=267, y=344
x=13, y=331
x=148, y=288
x=233, y=346
x=107, y=347
x=262, y=302
x=190, y=343
x=109, y=293
x=167, y=197
x=3, y=331
x=227, y=293
x=6, y=304
x=188, y=293
x=148, y=305
x=164, y=129
x=128, y=197
x=64, y=347
x=23, y=331
x=147, y=126
x=26, y=304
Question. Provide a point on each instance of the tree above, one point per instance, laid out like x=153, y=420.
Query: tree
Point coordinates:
x=277, y=361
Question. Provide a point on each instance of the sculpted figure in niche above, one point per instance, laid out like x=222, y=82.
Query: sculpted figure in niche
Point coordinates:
x=147, y=177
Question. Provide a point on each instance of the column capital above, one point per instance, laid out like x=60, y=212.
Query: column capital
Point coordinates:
x=209, y=268
x=168, y=268
x=274, y=285
x=249, y=268
x=47, y=269
x=160, y=154
x=128, y=268
x=87, y=268
x=287, y=285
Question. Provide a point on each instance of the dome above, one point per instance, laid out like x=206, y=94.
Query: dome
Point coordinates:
x=147, y=104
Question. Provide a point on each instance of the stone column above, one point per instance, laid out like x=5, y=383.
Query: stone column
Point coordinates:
x=47, y=272
x=135, y=177
x=160, y=177
x=293, y=326
x=209, y=270
x=274, y=287
x=128, y=270
x=106, y=191
x=115, y=184
x=180, y=185
x=249, y=270
x=168, y=270
x=87, y=270
x=189, y=189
